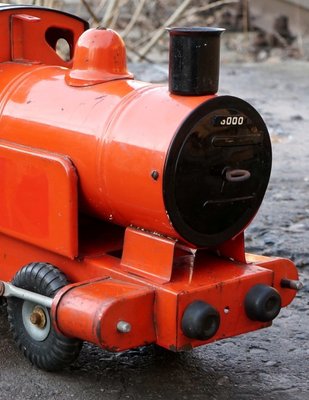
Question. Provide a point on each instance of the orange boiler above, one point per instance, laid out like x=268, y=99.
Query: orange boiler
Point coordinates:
x=124, y=203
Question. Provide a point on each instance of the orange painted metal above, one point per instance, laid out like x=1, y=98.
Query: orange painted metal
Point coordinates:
x=45, y=215
x=107, y=121
x=117, y=245
x=93, y=62
x=19, y=25
x=234, y=248
x=220, y=281
x=91, y=311
x=282, y=269
x=30, y=34
x=148, y=255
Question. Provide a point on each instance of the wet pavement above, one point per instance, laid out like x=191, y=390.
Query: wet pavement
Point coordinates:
x=268, y=364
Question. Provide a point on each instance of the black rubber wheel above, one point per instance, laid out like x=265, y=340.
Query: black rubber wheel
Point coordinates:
x=38, y=341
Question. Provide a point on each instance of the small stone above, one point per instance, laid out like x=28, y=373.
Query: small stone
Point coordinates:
x=296, y=118
x=224, y=380
x=271, y=363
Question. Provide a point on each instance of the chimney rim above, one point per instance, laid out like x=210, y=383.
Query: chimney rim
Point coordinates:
x=194, y=30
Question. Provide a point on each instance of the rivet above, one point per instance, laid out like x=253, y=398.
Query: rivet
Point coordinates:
x=124, y=327
x=155, y=175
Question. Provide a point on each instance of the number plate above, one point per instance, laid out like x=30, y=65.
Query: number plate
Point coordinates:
x=235, y=120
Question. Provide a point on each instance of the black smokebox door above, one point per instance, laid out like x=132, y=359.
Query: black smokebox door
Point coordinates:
x=217, y=171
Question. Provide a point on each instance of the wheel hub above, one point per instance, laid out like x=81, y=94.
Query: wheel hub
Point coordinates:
x=36, y=320
x=38, y=317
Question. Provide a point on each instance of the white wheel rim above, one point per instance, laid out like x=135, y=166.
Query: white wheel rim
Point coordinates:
x=34, y=331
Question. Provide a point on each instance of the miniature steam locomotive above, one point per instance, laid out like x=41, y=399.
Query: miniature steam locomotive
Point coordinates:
x=123, y=203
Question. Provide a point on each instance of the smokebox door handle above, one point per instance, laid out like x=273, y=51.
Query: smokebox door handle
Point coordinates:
x=237, y=175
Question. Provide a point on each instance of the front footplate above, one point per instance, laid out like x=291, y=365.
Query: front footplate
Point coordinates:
x=207, y=299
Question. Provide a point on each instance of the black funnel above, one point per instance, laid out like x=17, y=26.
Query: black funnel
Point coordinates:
x=194, y=60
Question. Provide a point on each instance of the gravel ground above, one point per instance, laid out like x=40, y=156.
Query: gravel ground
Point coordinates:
x=268, y=364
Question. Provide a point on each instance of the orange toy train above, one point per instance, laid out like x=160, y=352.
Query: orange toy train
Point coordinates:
x=123, y=203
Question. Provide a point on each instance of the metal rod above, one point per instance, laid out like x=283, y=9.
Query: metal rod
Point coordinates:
x=9, y=290
x=291, y=284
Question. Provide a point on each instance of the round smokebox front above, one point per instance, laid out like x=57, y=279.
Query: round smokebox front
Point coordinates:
x=217, y=171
